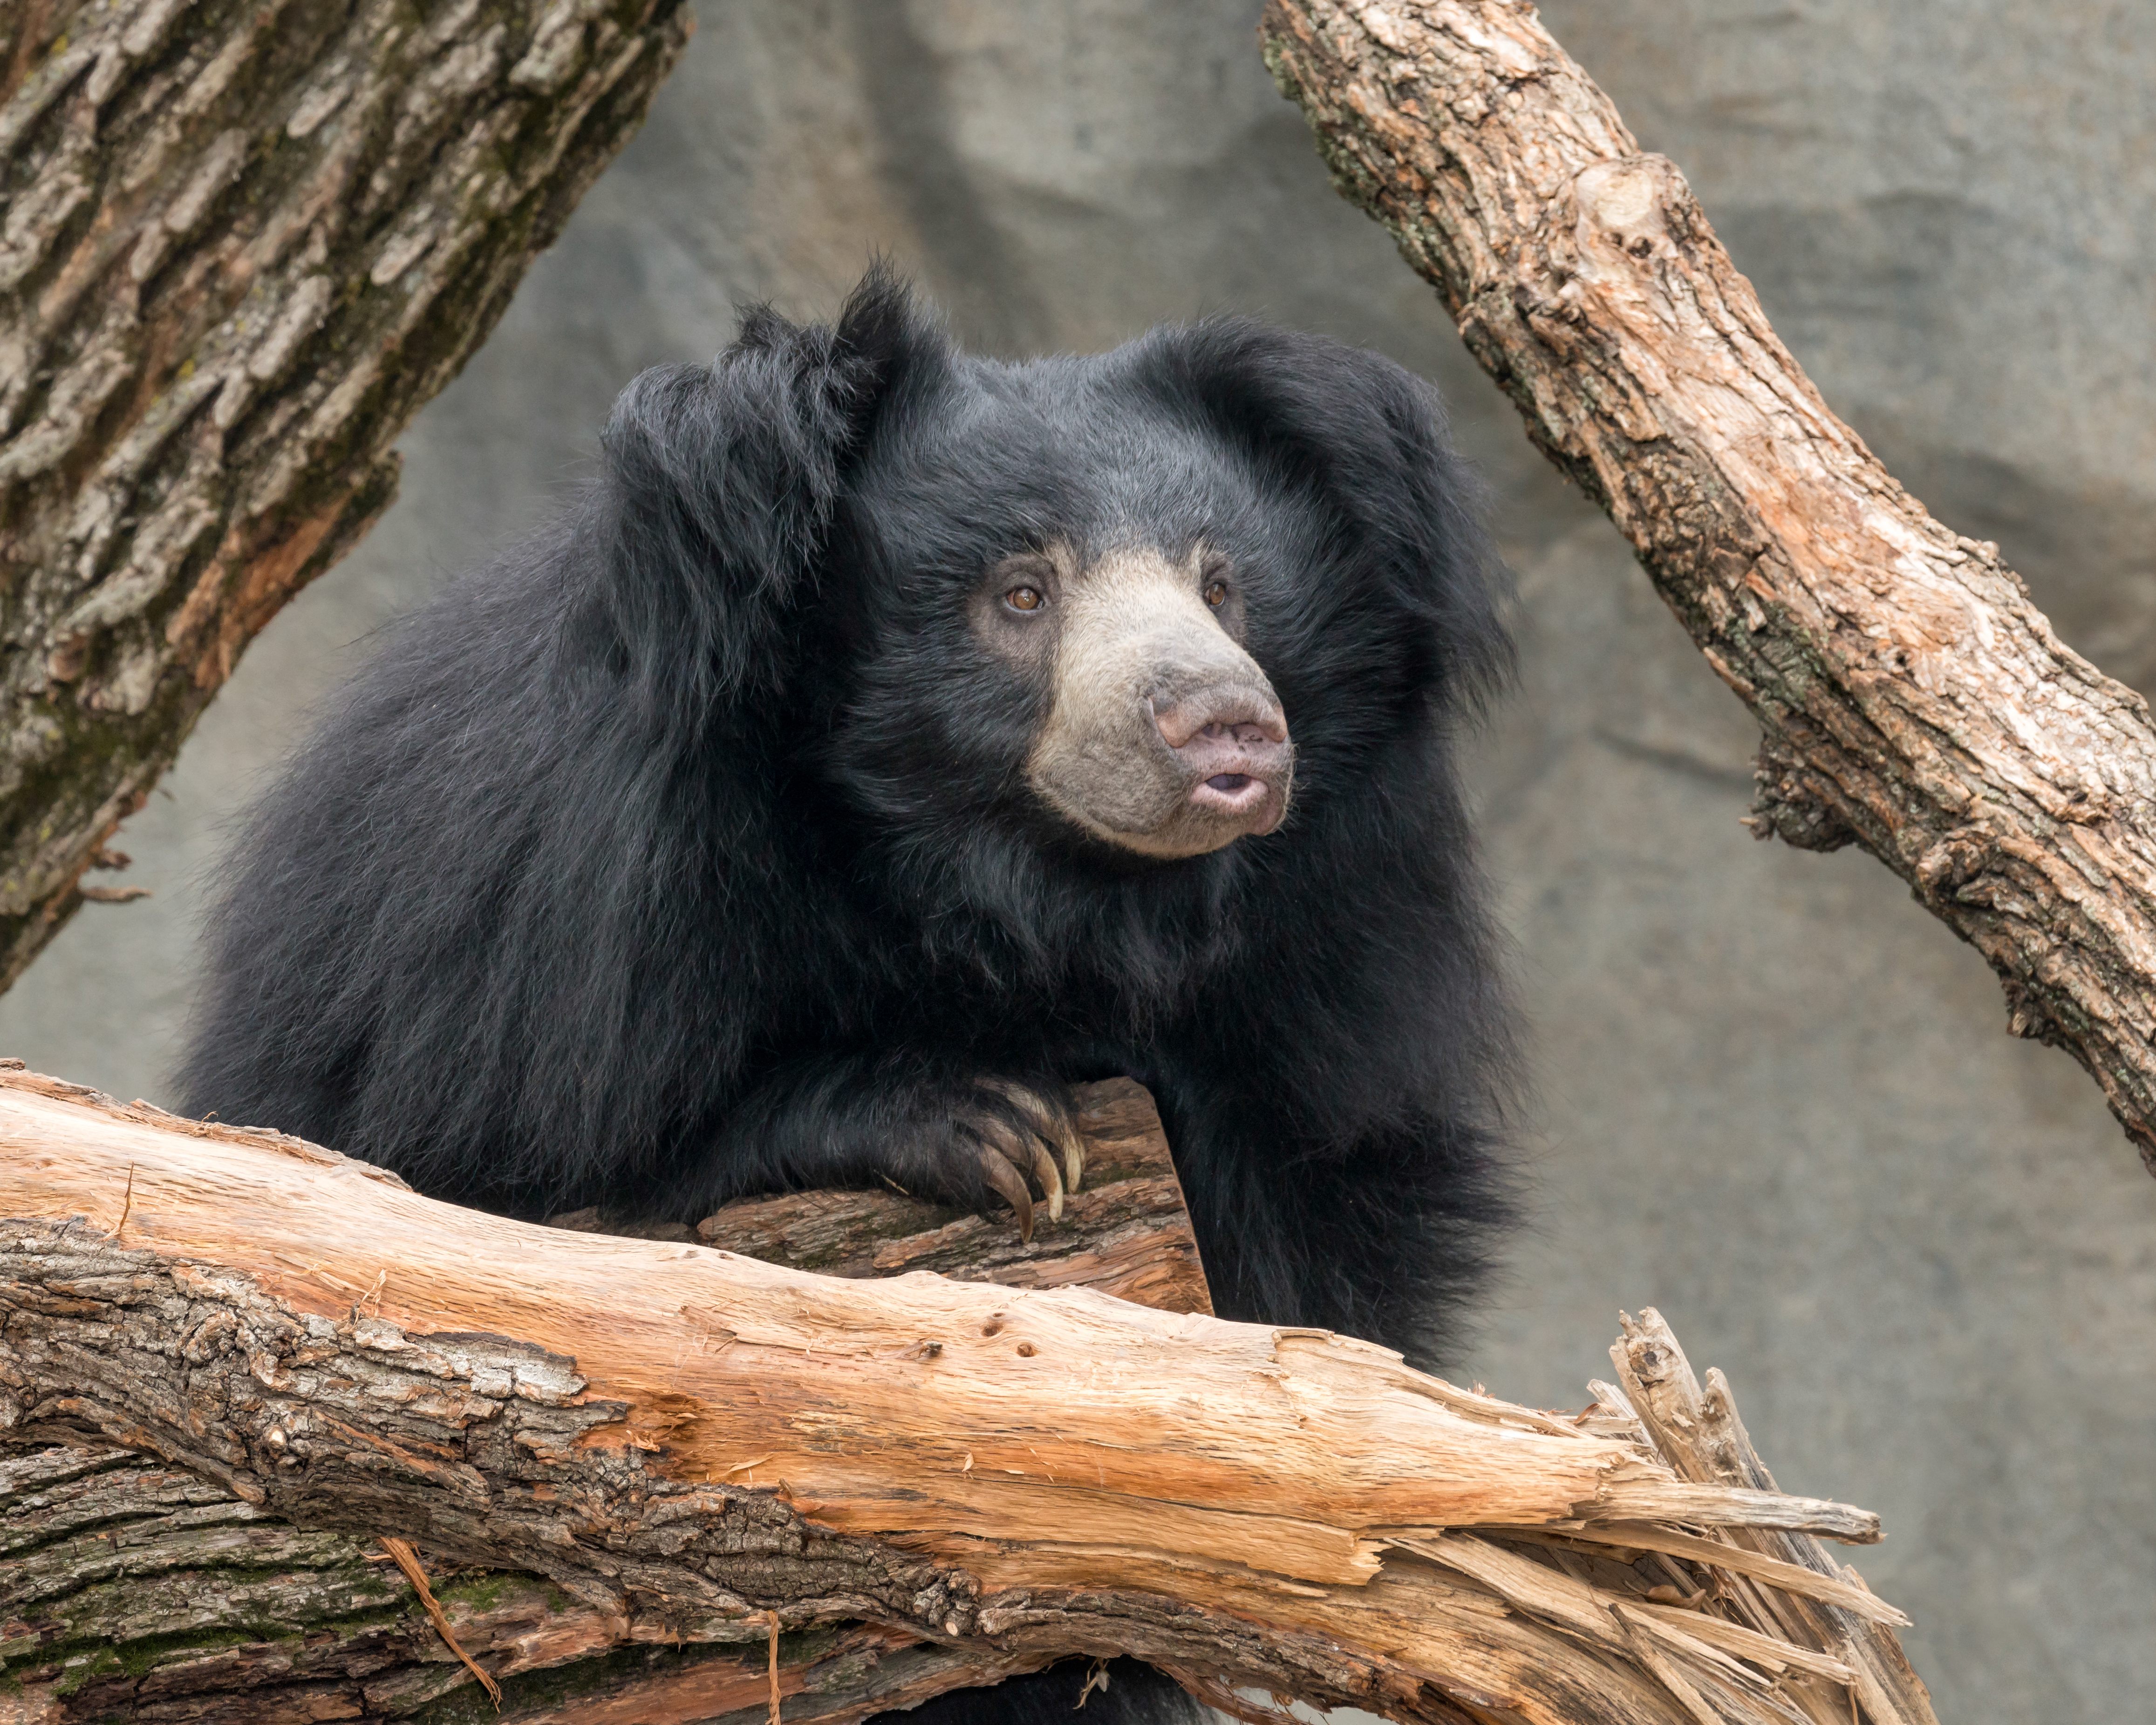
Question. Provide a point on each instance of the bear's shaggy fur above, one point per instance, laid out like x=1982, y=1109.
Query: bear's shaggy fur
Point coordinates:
x=686, y=852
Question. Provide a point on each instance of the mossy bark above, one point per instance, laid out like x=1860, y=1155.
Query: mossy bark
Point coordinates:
x=241, y=243
x=132, y=1590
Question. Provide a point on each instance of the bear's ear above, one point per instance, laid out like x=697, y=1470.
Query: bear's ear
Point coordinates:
x=719, y=482
x=1368, y=438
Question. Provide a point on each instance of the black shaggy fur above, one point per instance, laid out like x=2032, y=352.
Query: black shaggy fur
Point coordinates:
x=684, y=853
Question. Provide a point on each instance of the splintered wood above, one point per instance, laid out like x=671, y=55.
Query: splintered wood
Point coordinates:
x=629, y=1464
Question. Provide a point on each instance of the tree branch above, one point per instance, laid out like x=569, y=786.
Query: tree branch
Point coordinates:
x=241, y=243
x=1910, y=697
x=669, y=1443
x=151, y=1588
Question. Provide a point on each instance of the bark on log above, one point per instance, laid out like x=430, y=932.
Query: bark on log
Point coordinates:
x=241, y=243
x=131, y=1590
x=288, y=1356
x=1911, y=697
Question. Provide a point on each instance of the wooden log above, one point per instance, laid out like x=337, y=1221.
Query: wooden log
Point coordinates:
x=160, y=1612
x=242, y=241
x=1911, y=698
x=1126, y=1233
x=286, y=1356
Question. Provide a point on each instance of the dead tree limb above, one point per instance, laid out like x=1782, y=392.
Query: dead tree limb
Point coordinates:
x=131, y=1588
x=673, y=1447
x=1910, y=697
x=241, y=243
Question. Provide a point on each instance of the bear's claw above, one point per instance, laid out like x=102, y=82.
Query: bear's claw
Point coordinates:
x=1052, y=1124
x=1064, y=1133
x=1011, y=1183
x=1009, y=1151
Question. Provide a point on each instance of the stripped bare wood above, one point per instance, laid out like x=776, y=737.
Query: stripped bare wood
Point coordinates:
x=1687, y=1501
x=1789, y=1578
x=1769, y=1652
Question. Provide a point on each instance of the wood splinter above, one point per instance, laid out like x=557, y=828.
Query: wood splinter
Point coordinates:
x=773, y=1617
x=407, y=1560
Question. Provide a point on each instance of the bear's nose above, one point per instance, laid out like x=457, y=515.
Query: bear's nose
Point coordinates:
x=1235, y=715
x=1230, y=749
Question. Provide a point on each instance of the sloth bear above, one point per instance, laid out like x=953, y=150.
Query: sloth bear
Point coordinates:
x=887, y=740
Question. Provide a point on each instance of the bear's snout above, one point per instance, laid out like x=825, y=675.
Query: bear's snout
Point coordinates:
x=1231, y=746
x=1163, y=737
x=1243, y=716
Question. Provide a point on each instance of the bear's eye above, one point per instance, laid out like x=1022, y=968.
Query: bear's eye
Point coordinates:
x=1216, y=593
x=1024, y=598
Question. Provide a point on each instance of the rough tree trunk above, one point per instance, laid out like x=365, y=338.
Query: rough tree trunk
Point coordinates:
x=1911, y=697
x=237, y=1361
x=241, y=243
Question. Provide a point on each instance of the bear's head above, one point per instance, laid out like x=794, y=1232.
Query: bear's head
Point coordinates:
x=1138, y=606
x=1158, y=734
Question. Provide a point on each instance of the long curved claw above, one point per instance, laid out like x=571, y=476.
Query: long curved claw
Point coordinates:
x=1054, y=1125
x=1023, y=1150
x=1072, y=1141
x=1011, y=1184
x=1050, y=1177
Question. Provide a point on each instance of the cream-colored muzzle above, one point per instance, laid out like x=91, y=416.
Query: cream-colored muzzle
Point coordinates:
x=1163, y=737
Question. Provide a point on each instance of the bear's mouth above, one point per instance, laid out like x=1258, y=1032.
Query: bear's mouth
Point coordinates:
x=1234, y=794
x=1231, y=743
x=1228, y=791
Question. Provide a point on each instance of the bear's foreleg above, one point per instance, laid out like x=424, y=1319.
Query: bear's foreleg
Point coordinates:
x=891, y=1119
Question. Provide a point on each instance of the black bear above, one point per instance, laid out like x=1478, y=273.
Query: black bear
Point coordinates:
x=887, y=739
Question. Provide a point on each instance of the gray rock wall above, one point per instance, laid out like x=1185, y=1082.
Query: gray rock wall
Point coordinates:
x=1776, y=1099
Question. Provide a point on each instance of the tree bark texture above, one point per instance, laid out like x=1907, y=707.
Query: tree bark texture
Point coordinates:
x=1911, y=697
x=241, y=243
x=277, y=1358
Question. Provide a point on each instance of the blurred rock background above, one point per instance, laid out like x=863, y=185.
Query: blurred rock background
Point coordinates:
x=1775, y=1098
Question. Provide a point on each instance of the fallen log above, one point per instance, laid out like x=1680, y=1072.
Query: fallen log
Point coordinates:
x=673, y=1454
x=187, y=1594
x=1910, y=697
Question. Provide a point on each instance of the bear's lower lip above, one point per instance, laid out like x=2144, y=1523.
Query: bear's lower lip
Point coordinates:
x=1229, y=793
